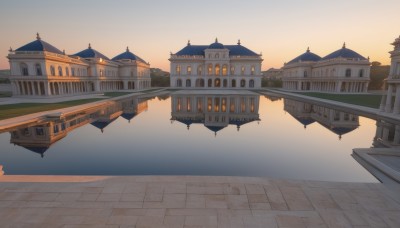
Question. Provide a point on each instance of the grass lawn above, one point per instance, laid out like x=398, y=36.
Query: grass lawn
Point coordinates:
x=13, y=110
x=367, y=100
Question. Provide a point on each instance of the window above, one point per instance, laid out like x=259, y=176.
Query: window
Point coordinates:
x=66, y=71
x=24, y=69
x=232, y=70
x=252, y=70
x=242, y=70
x=305, y=74
x=52, y=71
x=199, y=70
x=217, y=70
x=209, y=83
x=60, y=73
x=189, y=70
x=242, y=83
x=209, y=72
x=101, y=73
x=178, y=69
x=188, y=83
x=73, y=71
x=233, y=83
x=361, y=73
x=251, y=83
x=348, y=72
x=224, y=70
x=217, y=56
x=179, y=83
x=38, y=69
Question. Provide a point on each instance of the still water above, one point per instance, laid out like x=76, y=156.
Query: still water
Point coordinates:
x=193, y=133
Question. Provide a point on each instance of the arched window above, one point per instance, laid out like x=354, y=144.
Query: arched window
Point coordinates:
x=209, y=71
x=224, y=70
x=232, y=70
x=52, y=71
x=188, y=83
x=178, y=69
x=253, y=69
x=305, y=73
x=361, y=73
x=242, y=83
x=73, y=71
x=209, y=83
x=199, y=70
x=189, y=70
x=242, y=72
x=348, y=72
x=60, y=73
x=225, y=83
x=66, y=71
x=24, y=69
x=233, y=83
x=101, y=73
x=251, y=83
x=38, y=69
x=179, y=83
x=217, y=70
x=217, y=83
x=217, y=56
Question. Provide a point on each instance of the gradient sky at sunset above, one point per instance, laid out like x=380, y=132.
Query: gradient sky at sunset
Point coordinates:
x=281, y=30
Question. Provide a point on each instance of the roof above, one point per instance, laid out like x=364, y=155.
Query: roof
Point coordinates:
x=39, y=45
x=308, y=56
x=100, y=124
x=37, y=149
x=91, y=53
x=128, y=116
x=199, y=50
x=128, y=55
x=216, y=45
x=344, y=53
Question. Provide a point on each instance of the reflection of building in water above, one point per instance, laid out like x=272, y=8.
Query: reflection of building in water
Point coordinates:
x=391, y=101
x=272, y=98
x=337, y=122
x=39, y=138
x=387, y=134
x=215, y=111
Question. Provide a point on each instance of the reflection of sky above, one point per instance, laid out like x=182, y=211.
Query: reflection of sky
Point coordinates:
x=278, y=146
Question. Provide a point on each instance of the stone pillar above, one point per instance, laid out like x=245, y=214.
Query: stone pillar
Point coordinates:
x=46, y=88
x=378, y=133
x=396, y=139
x=388, y=107
x=385, y=134
x=396, y=106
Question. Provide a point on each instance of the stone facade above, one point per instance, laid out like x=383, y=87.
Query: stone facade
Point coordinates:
x=343, y=71
x=215, y=66
x=38, y=69
x=391, y=101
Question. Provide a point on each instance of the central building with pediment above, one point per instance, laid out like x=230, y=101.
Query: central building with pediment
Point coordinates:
x=216, y=66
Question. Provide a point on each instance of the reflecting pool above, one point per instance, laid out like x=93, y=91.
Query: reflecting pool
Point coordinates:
x=195, y=133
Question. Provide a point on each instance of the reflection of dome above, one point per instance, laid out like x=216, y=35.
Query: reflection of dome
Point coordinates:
x=306, y=57
x=37, y=149
x=304, y=120
x=91, y=53
x=102, y=124
x=128, y=116
x=216, y=45
x=128, y=55
x=39, y=45
x=344, y=53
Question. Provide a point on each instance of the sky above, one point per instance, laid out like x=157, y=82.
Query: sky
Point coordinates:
x=280, y=30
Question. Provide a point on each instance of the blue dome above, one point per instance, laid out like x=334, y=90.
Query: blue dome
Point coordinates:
x=128, y=55
x=39, y=45
x=344, y=53
x=306, y=57
x=216, y=45
x=91, y=53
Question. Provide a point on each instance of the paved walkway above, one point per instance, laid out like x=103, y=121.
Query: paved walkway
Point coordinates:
x=191, y=201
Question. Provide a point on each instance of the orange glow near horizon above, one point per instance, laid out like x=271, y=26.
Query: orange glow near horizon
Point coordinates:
x=280, y=30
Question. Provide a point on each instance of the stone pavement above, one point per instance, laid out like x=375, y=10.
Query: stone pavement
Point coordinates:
x=192, y=201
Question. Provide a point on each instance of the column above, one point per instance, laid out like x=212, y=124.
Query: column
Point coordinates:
x=378, y=133
x=396, y=139
x=388, y=107
x=46, y=88
x=396, y=106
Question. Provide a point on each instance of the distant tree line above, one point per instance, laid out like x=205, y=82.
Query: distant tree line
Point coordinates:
x=159, y=78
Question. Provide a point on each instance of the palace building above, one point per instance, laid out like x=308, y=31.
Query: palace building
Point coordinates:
x=391, y=101
x=342, y=71
x=38, y=69
x=215, y=66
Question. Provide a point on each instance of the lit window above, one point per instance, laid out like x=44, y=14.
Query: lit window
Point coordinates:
x=189, y=70
x=217, y=70
x=178, y=69
x=224, y=70
x=209, y=72
x=232, y=70
x=252, y=70
x=199, y=70
x=242, y=70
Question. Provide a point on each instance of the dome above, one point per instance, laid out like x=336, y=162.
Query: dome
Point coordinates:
x=308, y=56
x=39, y=45
x=128, y=55
x=216, y=45
x=344, y=53
x=91, y=53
